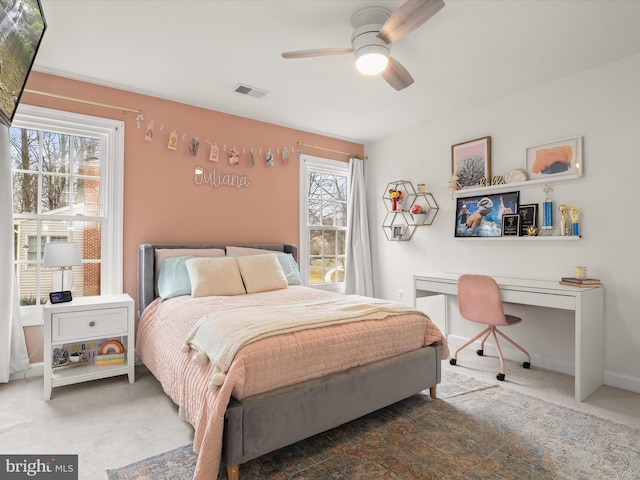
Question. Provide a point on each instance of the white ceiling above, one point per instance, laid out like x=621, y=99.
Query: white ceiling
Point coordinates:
x=196, y=52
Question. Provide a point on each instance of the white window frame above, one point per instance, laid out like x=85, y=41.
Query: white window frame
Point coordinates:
x=307, y=163
x=111, y=133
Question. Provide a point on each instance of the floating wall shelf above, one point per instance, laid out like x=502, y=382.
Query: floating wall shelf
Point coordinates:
x=399, y=223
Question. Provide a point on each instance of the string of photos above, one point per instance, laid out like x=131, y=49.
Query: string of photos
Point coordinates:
x=232, y=155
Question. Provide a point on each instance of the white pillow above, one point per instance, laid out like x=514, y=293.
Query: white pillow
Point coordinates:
x=288, y=264
x=261, y=273
x=214, y=276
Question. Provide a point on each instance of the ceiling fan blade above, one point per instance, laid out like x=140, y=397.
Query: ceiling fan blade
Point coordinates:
x=396, y=75
x=409, y=16
x=320, y=52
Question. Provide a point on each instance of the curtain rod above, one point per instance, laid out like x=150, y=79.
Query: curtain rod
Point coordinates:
x=73, y=99
x=362, y=157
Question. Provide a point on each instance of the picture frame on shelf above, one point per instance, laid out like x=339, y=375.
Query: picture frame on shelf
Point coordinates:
x=528, y=218
x=397, y=231
x=562, y=158
x=511, y=225
x=481, y=215
x=471, y=162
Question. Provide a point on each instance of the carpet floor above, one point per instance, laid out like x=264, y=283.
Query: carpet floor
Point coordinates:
x=473, y=430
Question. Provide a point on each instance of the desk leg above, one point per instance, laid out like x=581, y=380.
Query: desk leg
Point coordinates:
x=589, y=343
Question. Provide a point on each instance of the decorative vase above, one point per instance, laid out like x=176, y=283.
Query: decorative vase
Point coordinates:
x=419, y=218
x=394, y=204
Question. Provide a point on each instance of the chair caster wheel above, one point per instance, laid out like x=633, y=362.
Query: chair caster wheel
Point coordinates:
x=453, y=361
x=480, y=352
x=500, y=377
x=526, y=364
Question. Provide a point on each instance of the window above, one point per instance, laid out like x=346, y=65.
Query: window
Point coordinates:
x=67, y=173
x=32, y=247
x=323, y=219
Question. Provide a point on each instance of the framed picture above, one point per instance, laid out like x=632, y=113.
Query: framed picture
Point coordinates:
x=510, y=225
x=481, y=215
x=563, y=157
x=528, y=218
x=397, y=231
x=471, y=161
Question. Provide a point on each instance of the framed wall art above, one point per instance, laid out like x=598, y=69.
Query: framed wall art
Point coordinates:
x=481, y=215
x=560, y=158
x=471, y=161
x=397, y=231
x=22, y=28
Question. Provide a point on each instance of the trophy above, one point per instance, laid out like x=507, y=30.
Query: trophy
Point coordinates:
x=547, y=225
x=564, y=228
x=574, y=213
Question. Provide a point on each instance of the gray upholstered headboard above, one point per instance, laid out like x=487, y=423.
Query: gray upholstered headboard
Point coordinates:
x=147, y=259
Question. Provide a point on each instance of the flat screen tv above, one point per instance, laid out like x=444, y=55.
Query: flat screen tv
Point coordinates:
x=22, y=27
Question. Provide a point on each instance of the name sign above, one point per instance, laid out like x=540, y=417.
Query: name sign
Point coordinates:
x=216, y=179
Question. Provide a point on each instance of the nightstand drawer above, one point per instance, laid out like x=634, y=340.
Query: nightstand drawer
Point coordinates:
x=88, y=324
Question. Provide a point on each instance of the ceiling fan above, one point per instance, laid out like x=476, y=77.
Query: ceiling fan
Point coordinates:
x=375, y=28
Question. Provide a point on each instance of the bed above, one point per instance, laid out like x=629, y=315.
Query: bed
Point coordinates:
x=280, y=389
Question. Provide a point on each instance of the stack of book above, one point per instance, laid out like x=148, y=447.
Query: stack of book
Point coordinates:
x=111, y=359
x=581, y=282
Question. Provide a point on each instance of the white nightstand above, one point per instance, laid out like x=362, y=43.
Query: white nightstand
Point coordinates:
x=82, y=320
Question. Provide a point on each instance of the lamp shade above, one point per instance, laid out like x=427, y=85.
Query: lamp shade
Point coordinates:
x=61, y=254
x=372, y=60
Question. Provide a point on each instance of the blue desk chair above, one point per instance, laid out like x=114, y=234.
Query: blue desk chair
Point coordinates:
x=479, y=301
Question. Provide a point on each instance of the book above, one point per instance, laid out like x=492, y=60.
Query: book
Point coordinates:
x=580, y=285
x=111, y=359
x=582, y=281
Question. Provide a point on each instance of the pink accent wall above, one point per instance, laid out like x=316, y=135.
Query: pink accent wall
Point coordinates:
x=161, y=200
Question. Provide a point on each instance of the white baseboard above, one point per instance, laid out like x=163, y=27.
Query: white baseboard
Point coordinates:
x=510, y=353
x=625, y=382
x=612, y=379
x=36, y=370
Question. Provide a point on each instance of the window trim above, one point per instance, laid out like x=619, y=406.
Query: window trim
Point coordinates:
x=309, y=162
x=112, y=186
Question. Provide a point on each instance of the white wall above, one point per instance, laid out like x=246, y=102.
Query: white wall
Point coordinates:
x=602, y=105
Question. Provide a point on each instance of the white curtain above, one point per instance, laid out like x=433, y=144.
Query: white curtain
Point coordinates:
x=359, y=275
x=13, y=349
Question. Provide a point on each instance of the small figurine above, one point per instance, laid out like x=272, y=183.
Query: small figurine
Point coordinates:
x=453, y=183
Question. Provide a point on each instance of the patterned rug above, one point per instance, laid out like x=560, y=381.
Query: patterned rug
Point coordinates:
x=472, y=431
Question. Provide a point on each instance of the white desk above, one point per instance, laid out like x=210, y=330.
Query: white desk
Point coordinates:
x=586, y=303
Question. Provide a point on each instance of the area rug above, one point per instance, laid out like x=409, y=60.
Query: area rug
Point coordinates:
x=472, y=431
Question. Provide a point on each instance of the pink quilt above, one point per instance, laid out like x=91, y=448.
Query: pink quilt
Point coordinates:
x=266, y=364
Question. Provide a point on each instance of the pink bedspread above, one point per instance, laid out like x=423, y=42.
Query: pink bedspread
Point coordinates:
x=265, y=365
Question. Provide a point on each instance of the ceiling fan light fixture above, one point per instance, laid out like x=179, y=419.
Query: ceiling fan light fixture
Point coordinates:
x=372, y=59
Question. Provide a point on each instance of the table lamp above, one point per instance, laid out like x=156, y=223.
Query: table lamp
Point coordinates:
x=63, y=255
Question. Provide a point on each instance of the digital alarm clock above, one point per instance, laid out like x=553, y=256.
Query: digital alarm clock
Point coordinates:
x=60, y=297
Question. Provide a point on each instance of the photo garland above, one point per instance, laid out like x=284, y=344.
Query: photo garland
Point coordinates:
x=234, y=155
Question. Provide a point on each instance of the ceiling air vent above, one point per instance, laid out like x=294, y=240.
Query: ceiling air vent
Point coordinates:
x=251, y=91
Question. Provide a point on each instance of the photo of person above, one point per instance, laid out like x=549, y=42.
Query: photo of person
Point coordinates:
x=481, y=216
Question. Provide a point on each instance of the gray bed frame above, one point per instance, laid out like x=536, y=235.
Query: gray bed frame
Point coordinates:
x=260, y=424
